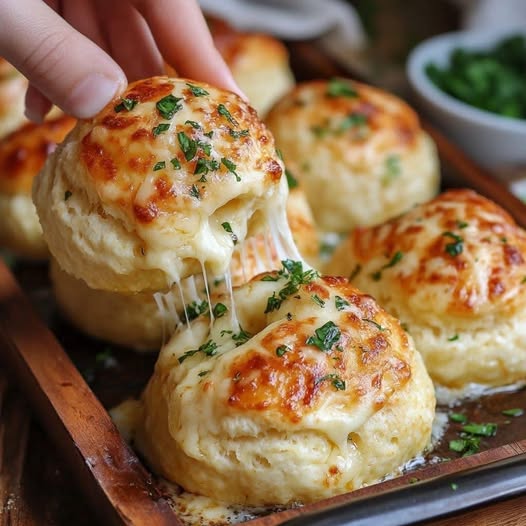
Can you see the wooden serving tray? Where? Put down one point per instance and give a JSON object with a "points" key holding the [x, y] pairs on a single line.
{"points": [[70, 384]]}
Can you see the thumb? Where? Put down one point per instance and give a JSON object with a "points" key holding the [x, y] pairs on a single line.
{"points": [[63, 65]]}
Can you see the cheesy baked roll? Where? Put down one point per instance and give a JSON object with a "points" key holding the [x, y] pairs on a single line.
{"points": [[358, 151], [258, 62], [22, 155], [152, 179], [141, 321], [313, 391], [13, 87], [453, 270]]}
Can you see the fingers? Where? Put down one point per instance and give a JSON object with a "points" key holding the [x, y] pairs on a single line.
{"points": [[37, 106], [65, 66], [183, 38], [130, 41]]}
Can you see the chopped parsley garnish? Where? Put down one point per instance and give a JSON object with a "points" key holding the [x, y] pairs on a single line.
{"points": [[206, 147], [175, 163], [188, 146], [485, 430], [194, 192], [228, 228], [517, 411], [159, 166], [392, 169], [237, 134], [340, 303], [281, 350], [468, 445], [67, 195], [351, 121], [458, 417], [209, 134], [222, 110], [453, 338], [291, 180], [231, 167], [195, 309], [195, 125], [125, 105], [376, 324], [316, 299], [203, 373], [219, 310], [160, 128], [454, 249], [461, 224], [336, 381], [356, 270], [320, 131], [196, 90], [241, 337], [340, 88], [293, 271], [168, 106], [392, 262], [209, 348], [203, 166], [325, 336], [454, 486]]}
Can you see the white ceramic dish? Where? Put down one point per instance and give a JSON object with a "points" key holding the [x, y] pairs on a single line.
{"points": [[488, 138]]}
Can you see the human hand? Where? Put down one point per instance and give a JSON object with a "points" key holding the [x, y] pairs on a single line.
{"points": [[78, 54]]}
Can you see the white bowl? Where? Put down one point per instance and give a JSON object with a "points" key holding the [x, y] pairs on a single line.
{"points": [[488, 138]]}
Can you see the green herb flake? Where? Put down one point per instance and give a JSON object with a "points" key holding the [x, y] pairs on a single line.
{"points": [[209, 134], [517, 411], [231, 167], [281, 350], [295, 275], [67, 195], [222, 110], [194, 192], [188, 146], [125, 105], [159, 166], [197, 91], [320, 131], [291, 180], [377, 276], [105, 358], [204, 166], [241, 337], [316, 299], [453, 338], [462, 224], [456, 248], [228, 228], [195, 125], [486, 430], [203, 373], [413, 480], [196, 308], [209, 349], [335, 380], [454, 486], [340, 303], [405, 326], [352, 120], [238, 134], [393, 169], [168, 106], [325, 336], [160, 128], [175, 163], [340, 88], [219, 310], [458, 417]]}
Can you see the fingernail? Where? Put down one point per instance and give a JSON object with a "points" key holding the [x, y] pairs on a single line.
{"points": [[91, 94]]}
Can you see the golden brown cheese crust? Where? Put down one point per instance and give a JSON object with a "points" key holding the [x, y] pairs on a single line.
{"points": [[24, 152], [488, 275], [122, 149], [296, 409]]}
